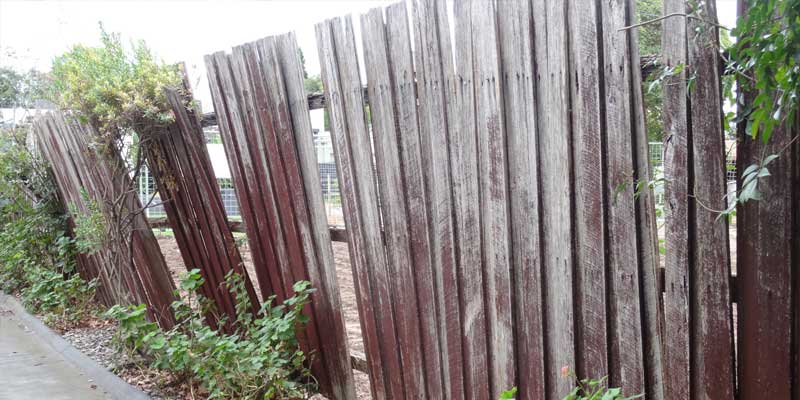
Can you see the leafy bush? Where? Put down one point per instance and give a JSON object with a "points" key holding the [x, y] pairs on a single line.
{"points": [[36, 255], [260, 360], [593, 389], [115, 90]]}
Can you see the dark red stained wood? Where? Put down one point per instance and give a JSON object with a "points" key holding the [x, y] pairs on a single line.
{"points": [[494, 197], [677, 172], [767, 265], [627, 358], [404, 91], [466, 204], [393, 208], [765, 273], [180, 163], [259, 129], [646, 229], [340, 75], [553, 90], [313, 225], [283, 164], [713, 363], [591, 330], [139, 273], [433, 60]]}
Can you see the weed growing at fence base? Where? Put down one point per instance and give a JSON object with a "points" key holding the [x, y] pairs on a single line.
{"points": [[260, 360]]}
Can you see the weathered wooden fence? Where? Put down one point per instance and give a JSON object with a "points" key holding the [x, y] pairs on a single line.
{"points": [[513, 241], [178, 159], [263, 117], [498, 220], [128, 273]]}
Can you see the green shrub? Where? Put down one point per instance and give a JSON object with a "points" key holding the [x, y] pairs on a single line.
{"points": [[36, 255], [260, 360]]}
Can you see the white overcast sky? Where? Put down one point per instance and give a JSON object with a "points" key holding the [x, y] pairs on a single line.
{"points": [[178, 30]]}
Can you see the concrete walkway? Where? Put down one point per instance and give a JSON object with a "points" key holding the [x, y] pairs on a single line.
{"points": [[36, 363]]}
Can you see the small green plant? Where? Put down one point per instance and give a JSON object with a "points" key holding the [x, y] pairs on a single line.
{"points": [[36, 255], [593, 389], [90, 232], [259, 360]]}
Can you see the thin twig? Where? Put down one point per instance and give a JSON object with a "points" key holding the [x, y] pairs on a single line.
{"points": [[663, 17]]}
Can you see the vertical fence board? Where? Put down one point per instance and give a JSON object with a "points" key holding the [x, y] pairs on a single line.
{"points": [[591, 334], [677, 172], [351, 149], [431, 58], [646, 229], [555, 161], [314, 226], [466, 204], [627, 363], [711, 306], [516, 54], [405, 100], [492, 167], [384, 131]]}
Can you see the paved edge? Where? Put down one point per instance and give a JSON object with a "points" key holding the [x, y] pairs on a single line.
{"points": [[105, 379]]}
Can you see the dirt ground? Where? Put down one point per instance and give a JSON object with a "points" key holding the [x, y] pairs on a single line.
{"points": [[169, 247]]}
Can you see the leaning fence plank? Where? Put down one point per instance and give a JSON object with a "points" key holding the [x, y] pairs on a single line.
{"points": [[766, 260], [433, 118], [677, 260], [235, 164], [314, 227], [351, 149], [492, 170], [627, 359], [466, 204], [130, 267], [646, 230], [591, 333], [405, 100], [395, 217], [711, 319], [555, 161]]}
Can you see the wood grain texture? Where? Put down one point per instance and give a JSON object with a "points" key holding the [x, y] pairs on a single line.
{"points": [[494, 198], [627, 362], [433, 58], [677, 175], [466, 203], [766, 259], [314, 227], [340, 75], [393, 203], [516, 54], [405, 100], [646, 228], [713, 366], [591, 330], [555, 161]]}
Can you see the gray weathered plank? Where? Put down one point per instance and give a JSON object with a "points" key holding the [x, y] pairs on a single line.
{"points": [[314, 228], [591, 331], [433, 58], [555, 161], [627, 358], [351, 149], [677, 275], [405, 100], [494, 198], [393, 209]]}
